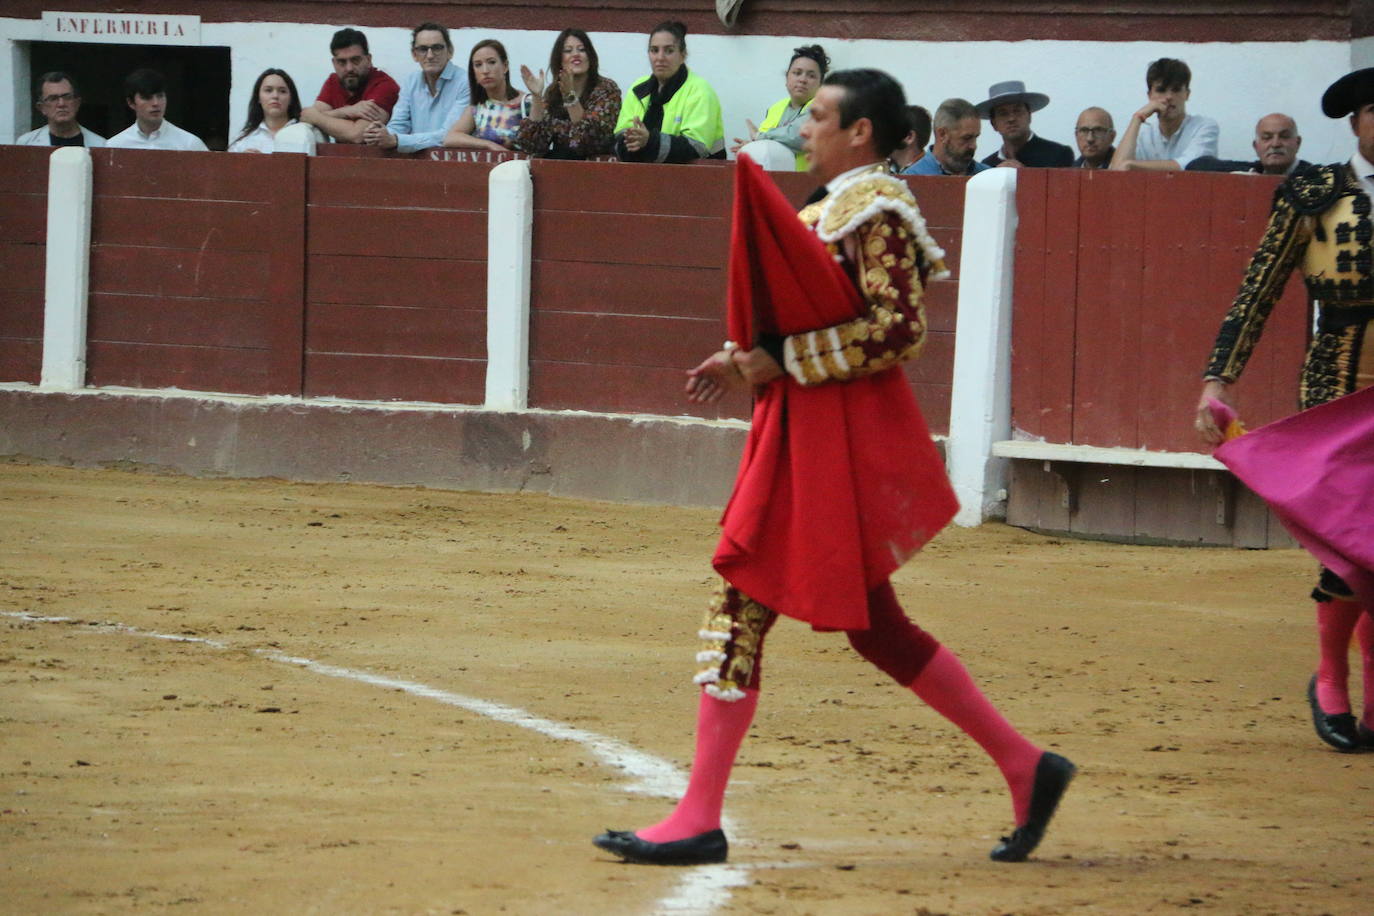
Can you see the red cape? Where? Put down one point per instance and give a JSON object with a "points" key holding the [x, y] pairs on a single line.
{"points": [[1315, 469], [839, 483]]}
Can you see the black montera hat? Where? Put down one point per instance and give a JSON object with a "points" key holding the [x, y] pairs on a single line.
{"points": [[1348, 93]]}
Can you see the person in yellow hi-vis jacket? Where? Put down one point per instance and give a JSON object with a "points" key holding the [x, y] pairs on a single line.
{"points": [[783, 122], [672, 115]]}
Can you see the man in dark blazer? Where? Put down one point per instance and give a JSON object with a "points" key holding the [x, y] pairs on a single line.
{"points": [[1008, 108], [1276, 144]]}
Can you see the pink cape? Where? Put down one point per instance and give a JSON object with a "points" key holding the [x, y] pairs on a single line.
{"points": [[1315, 469], [839, 483]]}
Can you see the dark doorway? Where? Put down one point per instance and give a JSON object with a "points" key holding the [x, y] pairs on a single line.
{"points": [[197, 84]]}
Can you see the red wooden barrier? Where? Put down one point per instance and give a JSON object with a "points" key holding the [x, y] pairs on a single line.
{"points": [[196, 271], [628, 286], [23, 248], [1121, 282], [396, 299]]}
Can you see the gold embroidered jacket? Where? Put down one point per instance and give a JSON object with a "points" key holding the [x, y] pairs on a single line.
{"points": [[872, 225], [1321, 220]]}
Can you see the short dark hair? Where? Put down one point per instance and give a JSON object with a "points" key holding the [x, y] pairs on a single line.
{"points": [[677, 29], [145, 82], [347, 38], [423, 27], [874, 95], [918, 122], [812, 52], [1169, 73], [54, 76]]}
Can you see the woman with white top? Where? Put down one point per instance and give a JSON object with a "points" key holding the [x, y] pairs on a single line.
{"points": [[273, 105]]}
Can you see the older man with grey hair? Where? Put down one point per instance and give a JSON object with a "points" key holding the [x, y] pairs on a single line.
{"points": [[957, 127], [1276, 144]]}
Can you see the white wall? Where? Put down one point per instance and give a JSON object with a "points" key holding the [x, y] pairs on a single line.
{"points": [[1235, 83]]}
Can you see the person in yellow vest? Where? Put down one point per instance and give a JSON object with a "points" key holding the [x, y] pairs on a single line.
{"points": [[671, 115], [783, 122]]}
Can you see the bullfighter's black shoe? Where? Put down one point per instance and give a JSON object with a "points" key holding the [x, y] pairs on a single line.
{"points": [[1337, 730], [703, 849], [1052, 777]]}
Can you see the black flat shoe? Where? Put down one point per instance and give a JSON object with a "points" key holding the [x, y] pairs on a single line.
{"points": [[1336, 730], [1052, 777], [1366, 736], [703, 849]]}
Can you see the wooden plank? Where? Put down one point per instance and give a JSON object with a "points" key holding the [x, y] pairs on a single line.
{"points": [[941, 199], [621, 389], [167, 320], [285, 291], [396, 331], [22, 266], [123, 173], [179, 272], [941, 301], [395, 378], [187, 224], [630, 188], [1106, 501], [21, 360], [1106, 333], [418, 282], [146, 365], [1173, 343], [23, 217], [23, 171], [1064, 240], [1029, 343], [21, 314], [1180, 506], [935, 365], [623, 340], [639, 239], [359, 232], [934, 401], [1035, 498], [398, 184], [587, 286]]}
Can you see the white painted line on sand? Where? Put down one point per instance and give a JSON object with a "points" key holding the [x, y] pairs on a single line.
{"points": [[699, 891]]}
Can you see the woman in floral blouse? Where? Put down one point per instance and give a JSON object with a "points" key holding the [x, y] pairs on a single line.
{"points": [[497, 108], [574, 109]]}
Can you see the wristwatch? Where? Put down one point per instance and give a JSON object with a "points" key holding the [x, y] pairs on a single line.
{"points": [[570, 99]]}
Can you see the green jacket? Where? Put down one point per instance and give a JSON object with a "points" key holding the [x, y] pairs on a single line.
{"points": [[683, 118]]}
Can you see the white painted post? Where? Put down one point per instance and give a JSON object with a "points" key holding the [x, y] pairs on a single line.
{"points": [[68, 269], [980, 403], [510, 230]]}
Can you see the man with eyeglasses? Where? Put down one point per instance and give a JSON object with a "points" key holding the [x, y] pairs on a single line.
{"points": [[1094, 135], [432, 98], [59, 101], [356, 96]]}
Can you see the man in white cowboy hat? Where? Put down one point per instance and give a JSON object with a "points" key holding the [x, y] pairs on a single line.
{"points": [[1008, 108]]}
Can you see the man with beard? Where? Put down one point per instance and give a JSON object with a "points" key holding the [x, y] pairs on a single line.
{"points": [[1008, 109], [1176, 138], [1276, 143], [356, 96], [957, 127]]}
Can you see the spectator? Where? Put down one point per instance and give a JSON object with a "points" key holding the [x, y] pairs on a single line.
{"points": [[145, 92], [274, 105], [1276, 143], [356, 95], [573, 116], [914, 144], [1094, 135], [782, 123], [672, 115], [432, 98], [493, 118], [957, 127], [1177, 138], [59, 101], [1008, 109]]}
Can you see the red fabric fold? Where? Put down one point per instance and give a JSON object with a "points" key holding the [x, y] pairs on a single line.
{"points": [[839, 483], [1315, 469]]}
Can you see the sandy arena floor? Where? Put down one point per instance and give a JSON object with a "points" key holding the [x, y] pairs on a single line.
{"points": [[316, 739]]}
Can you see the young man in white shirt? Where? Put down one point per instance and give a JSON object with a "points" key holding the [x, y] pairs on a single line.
{"points": [[145, 92], [1176, 138], [59, 101]]}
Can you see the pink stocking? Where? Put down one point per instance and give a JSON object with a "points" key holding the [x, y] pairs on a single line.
{"points": [[1364, 632], [945, 684], [1336, 621], [721, 727]]}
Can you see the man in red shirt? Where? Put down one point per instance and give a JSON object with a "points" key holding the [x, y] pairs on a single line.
{"points": [[356, 95]]}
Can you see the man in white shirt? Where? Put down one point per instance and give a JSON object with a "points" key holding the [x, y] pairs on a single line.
{"points": [[59, 101], [145, 92], [1176, 138]]}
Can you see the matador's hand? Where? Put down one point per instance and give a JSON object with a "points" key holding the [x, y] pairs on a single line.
{"points": [[717, 374]]}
